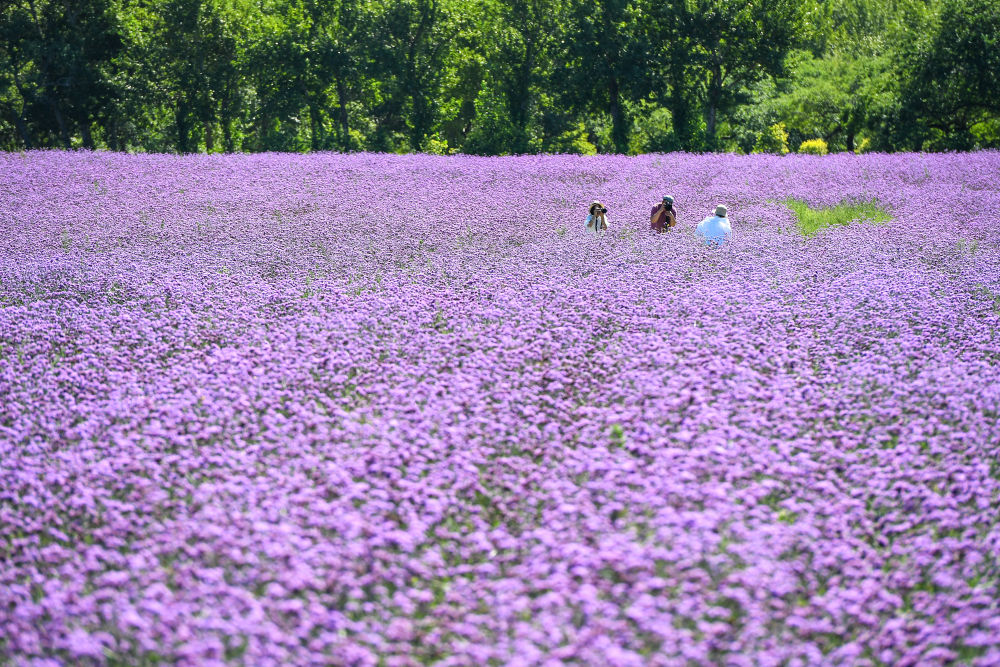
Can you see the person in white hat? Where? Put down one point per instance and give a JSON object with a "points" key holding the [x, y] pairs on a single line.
{"points": [[597, 219], [715, 230]]}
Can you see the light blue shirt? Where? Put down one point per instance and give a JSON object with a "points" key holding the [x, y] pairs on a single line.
{"points": [[714, 229], [591, 225]]}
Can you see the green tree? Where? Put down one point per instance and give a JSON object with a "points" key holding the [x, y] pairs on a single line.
{"points": [[412, 47], [831, 97], [498, 76], [283, 65], [772, 140], [16, 81], [345, 59], [191, 65], [57, 59], [717, 49], [953, 89], [519, 38], [309, 61], [605, 62]]}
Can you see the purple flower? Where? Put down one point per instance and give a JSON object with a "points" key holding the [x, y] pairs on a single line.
{"points": [[258, 409]]}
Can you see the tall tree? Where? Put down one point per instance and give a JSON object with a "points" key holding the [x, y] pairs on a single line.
{"points": [[414, 42], [497, 76], [347, 34], [300, 64], [953, 85], [605, 62], [725, 46], [829, 98], [284, 65], [525, 32], [192, 64], [57, 56], [16, 86]]}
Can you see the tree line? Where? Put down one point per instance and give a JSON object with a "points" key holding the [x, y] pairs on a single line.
{"points": [[500, 76]]}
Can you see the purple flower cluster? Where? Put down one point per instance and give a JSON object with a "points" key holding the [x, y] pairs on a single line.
{"points": [[402, 410]]}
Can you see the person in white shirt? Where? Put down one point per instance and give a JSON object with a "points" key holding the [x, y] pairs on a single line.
{"points": [[597, 219], [715, 230]]}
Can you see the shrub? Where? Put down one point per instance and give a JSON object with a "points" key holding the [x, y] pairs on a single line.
{"points": [[654, 132], [492, 132], [772, 140], [573, 140], [435, 145], [814, 147]]}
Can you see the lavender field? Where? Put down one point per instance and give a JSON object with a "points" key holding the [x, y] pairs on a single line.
{"points": [[402, 410]]}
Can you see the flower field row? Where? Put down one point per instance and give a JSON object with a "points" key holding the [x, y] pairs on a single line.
{"points": [[400, 410]]}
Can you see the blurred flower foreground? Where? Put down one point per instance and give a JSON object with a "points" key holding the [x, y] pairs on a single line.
{"points": [[398, 410]]}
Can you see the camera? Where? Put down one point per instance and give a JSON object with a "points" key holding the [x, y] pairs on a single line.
{"points": [[601, 209]]}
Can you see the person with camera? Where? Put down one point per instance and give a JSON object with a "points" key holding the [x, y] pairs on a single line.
{"points": [[597, 220], [663, 217]]}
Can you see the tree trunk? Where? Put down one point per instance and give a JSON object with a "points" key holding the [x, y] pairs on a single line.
{"points": [[517, 105], [263, 128], [681, 120], [519, 95], [19, 121], [345, 135], [680, 114], [22, 129], [88, 138], [679, 103], [714, 97], [420, 126], [710, 125], [227, 135], [619, 131], [114, 135], [209, 137], [315, 125], [61, 122], [180, 120]]}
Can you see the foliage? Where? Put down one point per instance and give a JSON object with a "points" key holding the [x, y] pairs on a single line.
{"points": [[773, 140], [604, 62], [829, 97], [56, 62], [573, 140], [953, 92], [814, 147], [497, 76], [653, 130], [733, 44]]}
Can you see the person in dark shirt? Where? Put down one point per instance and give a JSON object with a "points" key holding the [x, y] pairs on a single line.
{"points": [[663, 217]]}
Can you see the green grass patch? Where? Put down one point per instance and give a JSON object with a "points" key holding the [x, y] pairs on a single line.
{"points": [[811, 220]]}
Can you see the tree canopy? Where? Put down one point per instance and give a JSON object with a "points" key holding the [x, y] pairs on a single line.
{"points": [[499, 76]]}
